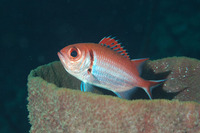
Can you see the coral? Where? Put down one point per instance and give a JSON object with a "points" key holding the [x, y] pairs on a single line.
{"points": [[53, 107]]}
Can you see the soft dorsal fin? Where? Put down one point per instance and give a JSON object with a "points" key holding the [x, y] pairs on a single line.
{"points": [[138, 63], [114, 45]]}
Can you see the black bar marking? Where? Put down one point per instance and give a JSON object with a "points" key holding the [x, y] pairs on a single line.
{"points": [[92, 60]]}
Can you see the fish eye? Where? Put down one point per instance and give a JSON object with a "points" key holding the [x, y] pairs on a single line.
{"points": [[74, 53]]}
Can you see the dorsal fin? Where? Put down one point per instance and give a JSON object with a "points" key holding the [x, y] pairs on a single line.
{"points": [[114, 45], [138, 63]]}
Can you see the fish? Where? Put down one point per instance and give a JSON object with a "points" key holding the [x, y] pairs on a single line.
{"points": [[106, 65]]}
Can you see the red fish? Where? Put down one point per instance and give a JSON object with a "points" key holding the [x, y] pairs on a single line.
{"points": [[106, 65]]}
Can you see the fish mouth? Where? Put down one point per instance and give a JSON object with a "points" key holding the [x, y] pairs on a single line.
{"points": [[61, 56]]}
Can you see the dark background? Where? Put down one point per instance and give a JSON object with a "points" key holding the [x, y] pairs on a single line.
{"points": [[32, 32]]}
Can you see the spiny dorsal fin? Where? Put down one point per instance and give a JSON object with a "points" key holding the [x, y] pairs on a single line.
{"points": [[114, 45]]}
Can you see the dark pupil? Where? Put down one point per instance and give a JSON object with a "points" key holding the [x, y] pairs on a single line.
{"points": [[73, 53]]}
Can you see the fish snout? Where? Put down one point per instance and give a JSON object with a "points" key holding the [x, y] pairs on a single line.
{"points": [[61, 57]]}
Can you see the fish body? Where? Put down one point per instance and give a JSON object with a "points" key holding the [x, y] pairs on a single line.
{"points": [[106, 65]]}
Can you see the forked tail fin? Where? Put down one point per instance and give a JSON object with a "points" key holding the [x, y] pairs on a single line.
{"points": [[152, 84]]}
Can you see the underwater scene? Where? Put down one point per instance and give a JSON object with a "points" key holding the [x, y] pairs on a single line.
{"points": [[109, 66]]}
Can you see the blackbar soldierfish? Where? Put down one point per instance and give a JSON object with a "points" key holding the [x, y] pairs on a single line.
{"points": [[106, 65]]}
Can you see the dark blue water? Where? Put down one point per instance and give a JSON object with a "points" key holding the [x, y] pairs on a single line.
{"points": [[33, 31]]}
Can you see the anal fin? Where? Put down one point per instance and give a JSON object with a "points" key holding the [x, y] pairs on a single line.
{"points": [[86, 87], [126, 94]]}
